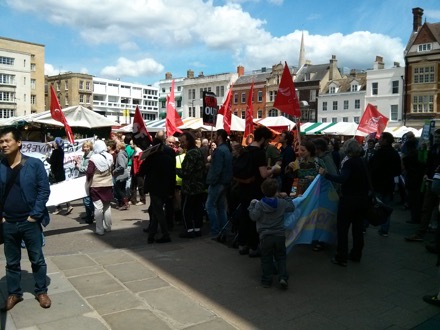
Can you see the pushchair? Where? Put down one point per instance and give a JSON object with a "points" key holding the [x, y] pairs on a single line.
{"points": [[229, 232]]}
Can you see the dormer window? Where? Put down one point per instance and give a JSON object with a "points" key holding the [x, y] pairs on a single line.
{"points": [[354, 88], [332, 90], [424, 47]]}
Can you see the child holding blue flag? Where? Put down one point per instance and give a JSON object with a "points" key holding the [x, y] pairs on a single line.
{"points": [[269, 216]]}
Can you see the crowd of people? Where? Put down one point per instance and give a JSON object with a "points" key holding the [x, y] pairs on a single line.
{"points": [[245, 190]]}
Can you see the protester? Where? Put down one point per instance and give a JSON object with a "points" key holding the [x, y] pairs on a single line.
{"points": [[287, 156], [100, 181], [193, 187], [56, 162], [87, 149], [120, 175], [137, 181], [353, 202], [269, 216], [219, 178], [25, 191], [307, 170]]}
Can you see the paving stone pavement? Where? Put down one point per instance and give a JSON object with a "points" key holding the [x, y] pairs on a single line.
{"points": [[117, 281]]}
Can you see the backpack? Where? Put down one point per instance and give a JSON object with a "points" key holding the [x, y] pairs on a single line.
{"points": [[242, 167]]}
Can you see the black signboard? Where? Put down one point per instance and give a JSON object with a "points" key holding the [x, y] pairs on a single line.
{"points": [[210, 109]]}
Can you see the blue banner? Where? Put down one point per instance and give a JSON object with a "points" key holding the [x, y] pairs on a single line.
{"points": [[314, 218]]}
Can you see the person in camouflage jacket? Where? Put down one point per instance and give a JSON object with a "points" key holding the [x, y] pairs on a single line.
{"points": [[193, 186]]}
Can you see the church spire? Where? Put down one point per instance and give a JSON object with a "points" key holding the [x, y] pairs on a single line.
{"points": [[302, 60]]}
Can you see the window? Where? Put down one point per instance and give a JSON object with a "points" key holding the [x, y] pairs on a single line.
{"points": [[354, 88], [81, 84], [243, 114], [424, 47], [33, 99], [324, 119], [272, 96], [356, 119], [58, 86], [345, 104], [7, 60], [334, 120], [6, 113], [260, 96], [7, 96], [395, 87], [163, 90], [66, 99], [394, 112], [312, 97], [66, 85], [424, 75], [201, 93], [335, 105], [222, 91], [423, 103], [243, 97], [324, 106], [33, 67], [345, 119], [24, 81], [88, 99], [33, 83], [332, 90], [374, 88], [179, 88], [179, 103], [7, 79], [357, 104], [260, 114], [81, 98], [273, 113], [235, 98], [236, 113], [217, 90]]}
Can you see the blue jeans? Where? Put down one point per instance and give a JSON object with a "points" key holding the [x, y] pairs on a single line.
{"points": [[273, 247], [387, 199], [90, 209], [30, 233], [216, 208]]}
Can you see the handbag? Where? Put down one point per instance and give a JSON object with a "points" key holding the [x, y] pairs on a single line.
{"points": [[378, 212]]}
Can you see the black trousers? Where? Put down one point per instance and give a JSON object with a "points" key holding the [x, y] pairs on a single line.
{"points": [[192, 210]]}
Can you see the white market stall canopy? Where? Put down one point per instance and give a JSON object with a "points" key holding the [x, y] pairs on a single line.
{"points": [[237, 123], [276, 122], [318, 129], [76, 116], [398, 132], [344, 128]]}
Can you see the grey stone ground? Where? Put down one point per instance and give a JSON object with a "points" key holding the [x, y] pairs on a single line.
{"points": [[117, 281]]}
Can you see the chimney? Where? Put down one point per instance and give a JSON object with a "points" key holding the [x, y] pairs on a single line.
{"points": [[353, 72], [201, 74], [333, 67], [396, 64], [417, 18], [378, 63], [190, 74], [168, 76], [240, 70]]}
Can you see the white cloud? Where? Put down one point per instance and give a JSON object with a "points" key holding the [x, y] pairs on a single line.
{"points": [[49, 70], [433, 14], [128, 68]]}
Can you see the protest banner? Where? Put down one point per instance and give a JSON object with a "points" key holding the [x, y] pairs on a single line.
{"points": [[76, 189]]}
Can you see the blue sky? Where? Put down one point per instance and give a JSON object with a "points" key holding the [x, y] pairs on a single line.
{"points": [[139, 40]]}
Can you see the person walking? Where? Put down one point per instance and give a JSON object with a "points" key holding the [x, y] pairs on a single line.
{"points": [[24, 189], [219, 178], [87, 149], [121, 175], [99, 178]]}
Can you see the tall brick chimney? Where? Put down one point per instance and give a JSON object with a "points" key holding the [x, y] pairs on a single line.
{"points": [[168, 75], [417, 18], [378, 63], [333, 67], [240, 70], [190, 74]]}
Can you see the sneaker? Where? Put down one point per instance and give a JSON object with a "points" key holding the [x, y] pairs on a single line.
{"points": [[432, 299], [414, 238], [69, 210], [139, 203], [382, 233], [283, 284], [56, 211]]}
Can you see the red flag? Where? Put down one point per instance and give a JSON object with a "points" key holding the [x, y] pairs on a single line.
{"points": [[139, 128], [249, 116], [173, 119], [372, 121], [226, 111], [286, 99], [58, 115]]}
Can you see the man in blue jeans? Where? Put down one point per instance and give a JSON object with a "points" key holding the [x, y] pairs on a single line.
{"points": [[219, 178], [24, 191]]}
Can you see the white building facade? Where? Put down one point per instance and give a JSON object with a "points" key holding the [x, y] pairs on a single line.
{"points": [[164, 87], [118, 100]]}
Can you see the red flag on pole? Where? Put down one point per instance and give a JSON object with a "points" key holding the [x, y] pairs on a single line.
{"points": [[173, 119], [286, 99], [372, 121], [139, 128], [249, 116], [226, 111], [58, 115]]}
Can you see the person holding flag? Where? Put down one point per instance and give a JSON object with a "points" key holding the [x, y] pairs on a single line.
{"points": [[58, 115]]}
